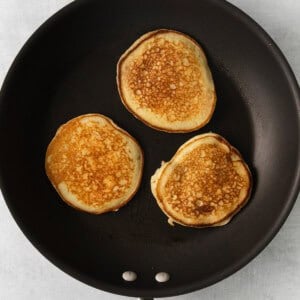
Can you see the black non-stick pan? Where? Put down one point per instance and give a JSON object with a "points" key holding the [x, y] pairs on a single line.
{"points": [[68, 68]]}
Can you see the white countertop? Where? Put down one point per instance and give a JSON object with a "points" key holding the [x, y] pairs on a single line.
{"points": [[26, 274]]}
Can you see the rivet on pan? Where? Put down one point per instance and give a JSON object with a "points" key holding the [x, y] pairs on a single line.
{"points": [[162, 277], [129, 276]]}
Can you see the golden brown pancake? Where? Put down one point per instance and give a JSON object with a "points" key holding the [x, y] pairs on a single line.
{"points": [[94, 165], [164, 80], [204, 184]]}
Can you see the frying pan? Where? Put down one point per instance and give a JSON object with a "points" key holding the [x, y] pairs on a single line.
{"points": [[68, 68]]}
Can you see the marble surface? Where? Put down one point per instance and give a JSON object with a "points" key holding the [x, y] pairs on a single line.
{"points": [[26, 274]]}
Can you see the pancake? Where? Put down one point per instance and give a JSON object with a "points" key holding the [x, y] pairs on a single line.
{"points": [[93, 164], [164, 80], [205, 183]]}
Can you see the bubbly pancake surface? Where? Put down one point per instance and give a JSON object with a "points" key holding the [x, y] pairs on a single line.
{"points": [[204, 184], [164, 80], [93, 164]]}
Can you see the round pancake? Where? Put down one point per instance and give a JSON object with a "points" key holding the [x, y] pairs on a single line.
{"points": [[204, 184], [164, 80], [94, 165]]}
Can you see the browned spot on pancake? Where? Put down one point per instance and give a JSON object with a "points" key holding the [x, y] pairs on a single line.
{"points": [[92, 160], [204, 182], [166, 79]]}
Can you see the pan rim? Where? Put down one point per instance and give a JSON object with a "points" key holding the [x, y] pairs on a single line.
{"points": [[240, 263]]}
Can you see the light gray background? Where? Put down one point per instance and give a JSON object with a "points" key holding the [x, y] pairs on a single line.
{"points": [[26, 274]]}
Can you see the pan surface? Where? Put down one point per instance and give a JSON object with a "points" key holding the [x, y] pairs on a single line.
{"points": [[68, 68]]}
